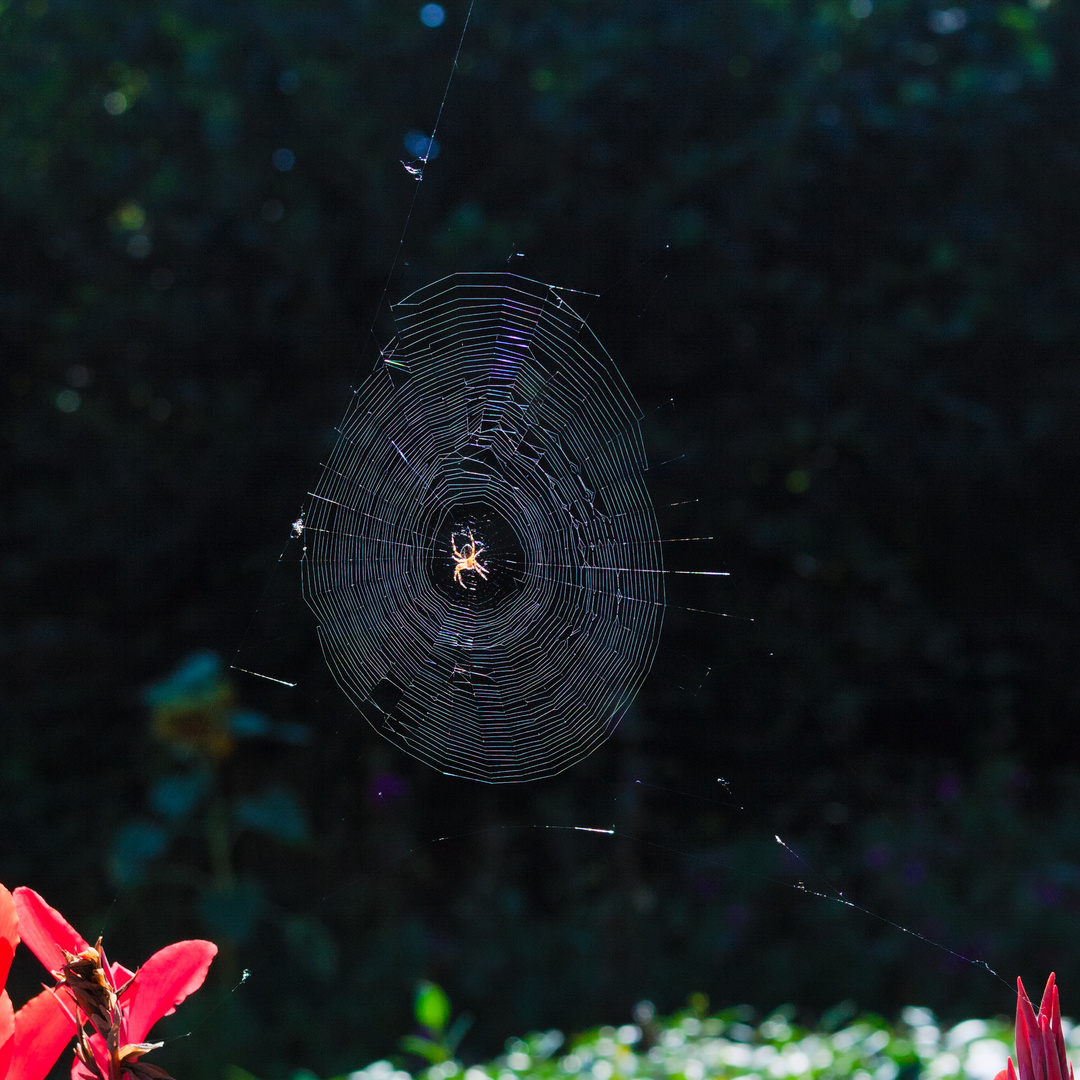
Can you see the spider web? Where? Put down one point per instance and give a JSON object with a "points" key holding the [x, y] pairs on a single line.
{"points": [[481, 551]]}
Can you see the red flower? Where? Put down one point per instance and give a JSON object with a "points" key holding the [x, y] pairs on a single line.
{"points": [[1040, 1043], [33, 1038], [139, 998]]}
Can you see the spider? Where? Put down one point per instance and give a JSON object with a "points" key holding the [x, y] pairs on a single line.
{"points": [[466, 559]]}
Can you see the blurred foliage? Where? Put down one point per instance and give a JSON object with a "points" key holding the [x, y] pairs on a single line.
{"points": [[838, 235], [694, 1044], [191, 840], [439, 1038]]}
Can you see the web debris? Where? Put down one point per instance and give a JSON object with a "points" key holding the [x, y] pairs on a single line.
{"points": [[837, 896]]}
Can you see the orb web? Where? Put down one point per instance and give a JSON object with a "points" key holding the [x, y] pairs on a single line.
{"points": [[482, 553]]}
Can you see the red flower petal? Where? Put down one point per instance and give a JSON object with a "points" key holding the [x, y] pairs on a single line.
{"points": [[43, 1027], [1027, 1032], [7, 1032], [1040, 1042], [155, 990], [44, 930], [80, 1072], [1056, 1043], [162, 983], [9, 934], [1049, 1048]]}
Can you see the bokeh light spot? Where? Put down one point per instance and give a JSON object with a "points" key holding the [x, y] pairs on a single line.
{"points": [[433, 15], [115, 103], [68, 400], [139, 246], [542, 80], [947, 20], [79, 375], [130, 216], [422, 146], [283, 159], [288, 82], [797, 481]]}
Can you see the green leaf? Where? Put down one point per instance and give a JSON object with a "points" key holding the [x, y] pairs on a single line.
{"points": [[135, 845], [175, 796], [432, 1052], [432, 1008], [456, 1033], [276, 812], [234, 1072], [198, 678], [1016, 18], [233, 910]]}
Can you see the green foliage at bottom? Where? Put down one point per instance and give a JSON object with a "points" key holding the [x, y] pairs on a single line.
{"points": [[736, 1045]]}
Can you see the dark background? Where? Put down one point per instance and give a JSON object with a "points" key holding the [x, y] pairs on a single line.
{"points": [[842, 238]]}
